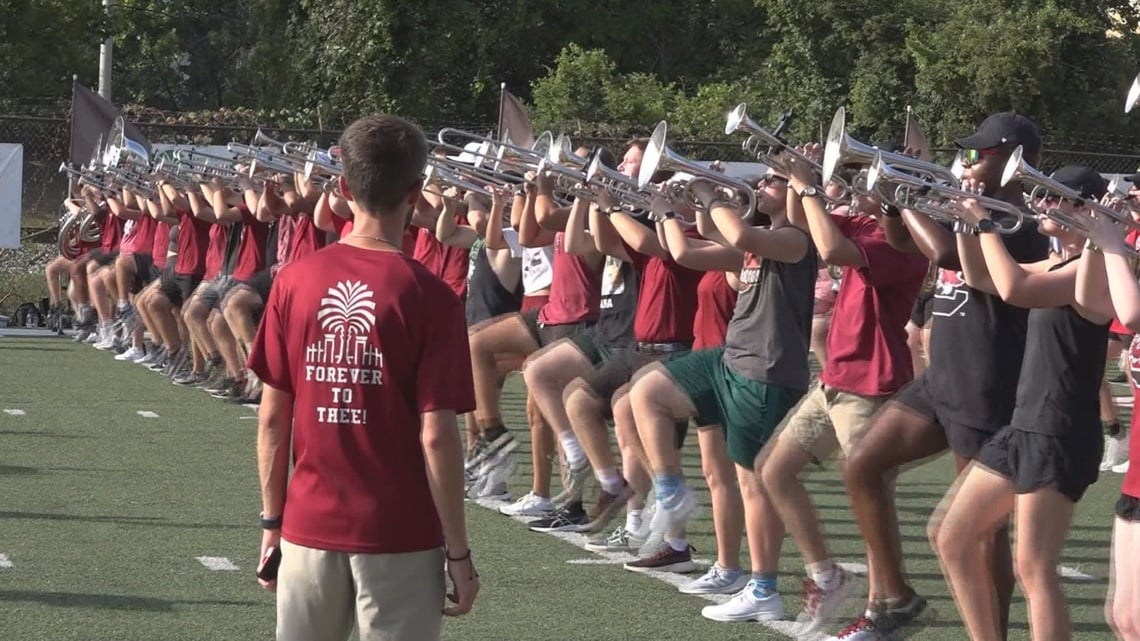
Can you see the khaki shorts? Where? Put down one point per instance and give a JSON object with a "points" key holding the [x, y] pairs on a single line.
{"points": [[829, 420], [387, 597]]}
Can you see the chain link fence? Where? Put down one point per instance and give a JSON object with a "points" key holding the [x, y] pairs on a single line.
{"points": [[46, 145]]}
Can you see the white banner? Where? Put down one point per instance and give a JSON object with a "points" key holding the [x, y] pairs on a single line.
{"points": [[11, 191]]}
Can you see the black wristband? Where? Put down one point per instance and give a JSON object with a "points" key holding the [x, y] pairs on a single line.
{"points": [[890, 211], [270, 524], [462, 558]]}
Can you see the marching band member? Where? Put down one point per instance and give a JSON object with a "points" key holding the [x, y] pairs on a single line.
{"points": [[867, 362], [961, 400], [1111, 260], [747, 386], [88, 265], [1041, 462]]}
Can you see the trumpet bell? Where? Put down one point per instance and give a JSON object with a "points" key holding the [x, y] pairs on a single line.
{"points": [[655, 153], [1016, 167], [1133, 95], [837, 143], [842, 149], [736, 118]]}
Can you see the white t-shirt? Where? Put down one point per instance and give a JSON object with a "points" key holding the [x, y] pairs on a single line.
{"points": [[537, 267]]}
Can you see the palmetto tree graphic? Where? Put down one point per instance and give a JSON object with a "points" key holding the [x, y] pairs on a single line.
{"points": [[346, 314]]}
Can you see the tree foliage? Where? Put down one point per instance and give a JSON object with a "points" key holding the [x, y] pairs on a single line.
{"points": [[604, 68]]}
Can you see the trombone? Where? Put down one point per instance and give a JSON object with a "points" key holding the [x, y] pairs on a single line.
{"points": [[659, 157], [914, 193], [1017, 169]]}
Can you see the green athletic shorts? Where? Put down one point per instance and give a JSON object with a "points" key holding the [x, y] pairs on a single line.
{"points": [[748, 411]]}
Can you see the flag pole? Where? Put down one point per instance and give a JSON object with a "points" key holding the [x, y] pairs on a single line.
{"points": [[906, 128], [502, 99]]}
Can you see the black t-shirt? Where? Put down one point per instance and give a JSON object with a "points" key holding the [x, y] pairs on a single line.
{"points": [[620, 283], [486, 296], [977, 343], [233, 244], [1059, 389]]}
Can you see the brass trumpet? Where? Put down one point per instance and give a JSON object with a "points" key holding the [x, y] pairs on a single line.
{"points": [[1017, 169], [659, 157], [842, 149], [932, 199]]}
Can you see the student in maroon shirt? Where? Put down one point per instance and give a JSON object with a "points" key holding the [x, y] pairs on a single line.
{"points": [[867, 362], [362, 354]]}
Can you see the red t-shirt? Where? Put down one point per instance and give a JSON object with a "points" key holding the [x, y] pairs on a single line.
{"points": [[366, 342], [138, 235], [575, 289], [342, 226], [112, 233], [305, 238], [447, 262], [216, 250], [193, 242], [411, 238], [1133, 240], [867, 352], [161, 246], [716, 301], [1131, 485], [666, 300], [251, 250]]}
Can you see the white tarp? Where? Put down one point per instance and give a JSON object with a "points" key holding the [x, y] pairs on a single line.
{"points": [[11, 190]]}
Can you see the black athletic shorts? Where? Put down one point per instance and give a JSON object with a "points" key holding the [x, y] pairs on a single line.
{"points": [[1128, 508], [1068, 464], [145, 272], [262, 282], [180, 287], [618, 370], [546, 334], [964, 440], [102, 258], [923, 309]]}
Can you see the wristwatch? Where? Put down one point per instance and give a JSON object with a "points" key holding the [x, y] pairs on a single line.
{"points": [[270, 524], [986, 225], [809, 192]]}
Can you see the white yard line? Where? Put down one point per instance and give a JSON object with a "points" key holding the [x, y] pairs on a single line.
{"points": [[786, 628], [5, 562], [147, 414], [15, 412], [1074, 574], [217, 563]]}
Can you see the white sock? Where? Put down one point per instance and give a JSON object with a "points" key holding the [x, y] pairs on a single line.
{"points": [[609, 478], [633, 520], [824, 574], [575, 456], [679, 545]]}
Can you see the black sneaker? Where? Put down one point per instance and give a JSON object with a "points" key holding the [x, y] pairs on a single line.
{"points": [[571, 518], [666, 559], [222, 390], [187, 378]]}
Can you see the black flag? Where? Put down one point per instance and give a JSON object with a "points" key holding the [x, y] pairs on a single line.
{"points": [[91, 119]]}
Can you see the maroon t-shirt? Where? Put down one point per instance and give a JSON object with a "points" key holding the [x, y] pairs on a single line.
{"points": [[305, 238], [138, 235], [716, 302], [1131, 485], [366, 342], [112, 233], [667, 299], [251, 250], [216, 250], [575, 289], [161, 246], [342, 226], [867, 352], [193, 241], [447, 262]]}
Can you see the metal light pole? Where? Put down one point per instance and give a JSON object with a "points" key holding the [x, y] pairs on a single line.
{"points": [[105, 56]]}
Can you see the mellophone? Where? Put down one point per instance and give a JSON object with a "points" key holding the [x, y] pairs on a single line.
{"points": [[480, 164]]}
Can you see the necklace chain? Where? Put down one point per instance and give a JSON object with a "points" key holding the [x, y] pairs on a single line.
{"points": [[376, 238]]}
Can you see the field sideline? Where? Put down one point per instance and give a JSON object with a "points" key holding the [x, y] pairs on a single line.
{"points": [[128, 511]]}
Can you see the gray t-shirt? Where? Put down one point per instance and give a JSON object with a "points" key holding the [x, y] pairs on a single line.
{"points": [[770, 331]]}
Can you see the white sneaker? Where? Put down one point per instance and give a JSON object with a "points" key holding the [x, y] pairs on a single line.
{"points": [[717, 581], [131, 354], [821, 606], [1115, 451], [529, 505], [1121, 469], [748, 605], [106, 344], [674, 517]]}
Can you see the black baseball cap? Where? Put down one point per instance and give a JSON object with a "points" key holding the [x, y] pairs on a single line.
{"points": [[1004, 129], [1087, 181]]}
